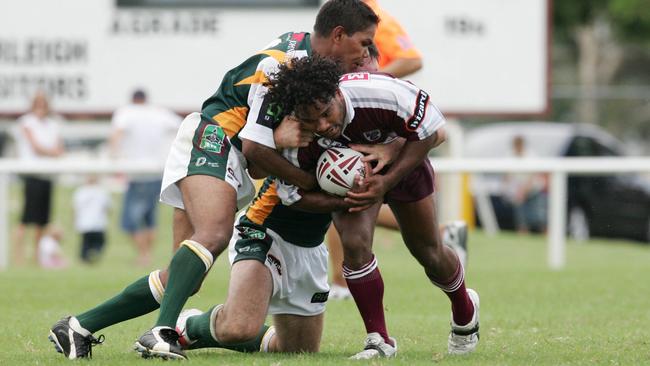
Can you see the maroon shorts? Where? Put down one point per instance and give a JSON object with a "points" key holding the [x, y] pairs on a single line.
{"points": [[415, 186]]}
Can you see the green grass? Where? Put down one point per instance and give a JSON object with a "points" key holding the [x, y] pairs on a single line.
{"points": [[594, 312]]}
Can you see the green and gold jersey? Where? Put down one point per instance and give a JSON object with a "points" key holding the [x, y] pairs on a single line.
{"points": [[240, 96], [301, 228]]}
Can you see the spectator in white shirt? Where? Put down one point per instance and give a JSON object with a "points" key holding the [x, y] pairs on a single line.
{"points": [[92, 204], [142, 132], [37, 137]]}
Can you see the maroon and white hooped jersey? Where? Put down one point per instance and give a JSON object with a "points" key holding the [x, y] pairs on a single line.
{"points": [[378, 108]]}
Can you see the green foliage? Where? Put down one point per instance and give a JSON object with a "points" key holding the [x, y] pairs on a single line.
{"points": [[592, 313], [567, 15], [632, 19]]}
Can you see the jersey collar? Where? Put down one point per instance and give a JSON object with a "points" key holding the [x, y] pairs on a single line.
{"points": [[349, 108]]}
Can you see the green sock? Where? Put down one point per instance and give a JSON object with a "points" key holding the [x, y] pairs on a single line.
{"points": [[198, 328], [186, 272], [134, 301]]}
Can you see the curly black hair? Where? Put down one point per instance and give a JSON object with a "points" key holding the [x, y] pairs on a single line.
{"points": [[302, 82]]}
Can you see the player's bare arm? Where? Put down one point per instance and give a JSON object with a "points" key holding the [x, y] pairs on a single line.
{"points": [[274, 164]]}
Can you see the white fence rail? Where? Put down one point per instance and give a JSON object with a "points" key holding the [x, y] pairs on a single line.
{"points": [[557, 168]]}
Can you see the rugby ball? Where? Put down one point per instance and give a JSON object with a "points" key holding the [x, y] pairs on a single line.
{"points": [[336, 169]]}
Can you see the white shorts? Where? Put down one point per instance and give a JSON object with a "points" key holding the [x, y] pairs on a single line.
{"points": [[299, 275], [200, 150]]}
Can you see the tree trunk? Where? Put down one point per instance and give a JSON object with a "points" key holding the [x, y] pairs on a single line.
{"points": [[599, 58]]}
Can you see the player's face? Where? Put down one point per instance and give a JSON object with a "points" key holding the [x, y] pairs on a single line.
{"points": [[352, 50], [370, 64], [324, 119]]}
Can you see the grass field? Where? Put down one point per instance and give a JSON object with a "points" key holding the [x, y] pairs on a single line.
{"points": [[594, 312]]}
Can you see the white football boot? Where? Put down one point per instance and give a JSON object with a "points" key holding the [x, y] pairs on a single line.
{"points": [[338, 292], [376, 347], [463, 339]]}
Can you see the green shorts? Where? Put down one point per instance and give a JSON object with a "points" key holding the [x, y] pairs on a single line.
{"points": [[201, 147]]}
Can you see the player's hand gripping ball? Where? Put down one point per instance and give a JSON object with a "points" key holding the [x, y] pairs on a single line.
{"points": [[336, 169]]}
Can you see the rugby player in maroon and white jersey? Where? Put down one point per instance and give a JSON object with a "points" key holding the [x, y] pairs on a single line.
{"points": [[370, 108]]}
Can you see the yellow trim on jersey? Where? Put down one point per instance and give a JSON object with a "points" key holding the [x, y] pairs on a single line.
{"points": [[232, 120], [278, 55], [257, 78], [204, 255], [262, 206]]}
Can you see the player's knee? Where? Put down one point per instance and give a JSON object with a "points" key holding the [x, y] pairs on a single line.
{"points": [[357, 257], [214, 240], [356, 240]]}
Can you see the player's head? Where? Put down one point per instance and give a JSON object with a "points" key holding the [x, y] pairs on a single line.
{"points": [[371, 63], [308, 88], [343, 31]]}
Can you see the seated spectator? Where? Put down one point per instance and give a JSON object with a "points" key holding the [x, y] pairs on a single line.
{"points": [[50, 255], [528, 193]]}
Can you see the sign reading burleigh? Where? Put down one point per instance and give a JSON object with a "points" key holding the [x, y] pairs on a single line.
{"points": [[52, 64], [89, 56]]}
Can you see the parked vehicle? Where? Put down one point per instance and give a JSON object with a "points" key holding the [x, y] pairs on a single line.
{"points": [[599, 205]]}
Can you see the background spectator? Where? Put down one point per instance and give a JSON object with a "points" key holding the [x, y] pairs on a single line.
{"points": [[141, 131], [527, 193], [92, 204], [397, 54], [37, 137], [50, 255]]}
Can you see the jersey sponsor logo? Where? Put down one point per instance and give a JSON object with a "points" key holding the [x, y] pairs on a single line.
{"points": [[355, 76], [320, 297], [275, 263], [372, 136], [291, 47], [326, 143], [212, 139], [230, 175], [298, 37], [269, 114], [251, 233], [416, 119], [249, 249]]}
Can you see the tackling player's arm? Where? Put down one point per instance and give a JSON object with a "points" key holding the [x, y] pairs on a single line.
{"points": [[272, 163], [320, 202], [315, 201]]}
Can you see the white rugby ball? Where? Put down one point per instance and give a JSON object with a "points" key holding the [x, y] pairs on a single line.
{"points": [[336, 169]]}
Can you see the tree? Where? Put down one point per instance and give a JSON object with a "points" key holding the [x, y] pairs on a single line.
{"points": [[599, 29]]}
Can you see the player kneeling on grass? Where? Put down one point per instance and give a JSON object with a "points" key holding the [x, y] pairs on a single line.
{"points": [[279, 267], [366, 108]]}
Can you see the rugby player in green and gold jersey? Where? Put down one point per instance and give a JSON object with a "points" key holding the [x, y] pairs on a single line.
{"points": [[205, 179]]}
